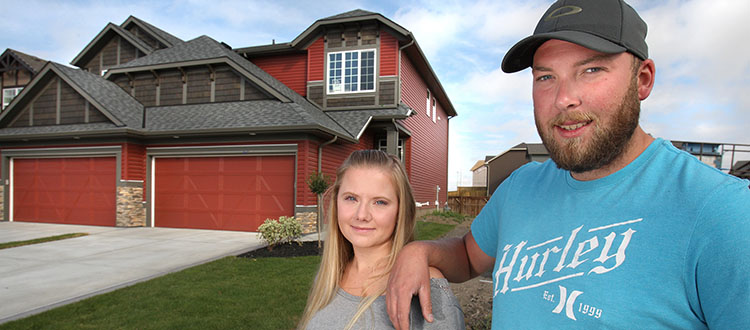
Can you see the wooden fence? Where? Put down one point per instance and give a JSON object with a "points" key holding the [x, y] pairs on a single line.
{"points": [[467, 205]]}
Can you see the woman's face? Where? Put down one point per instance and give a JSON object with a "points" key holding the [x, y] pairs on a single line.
{"points": [[367, 207]]}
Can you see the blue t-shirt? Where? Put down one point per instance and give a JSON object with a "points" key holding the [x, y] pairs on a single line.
{"points": [[662, 243]]}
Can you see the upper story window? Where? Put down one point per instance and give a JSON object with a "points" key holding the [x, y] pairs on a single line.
{"points": [[427, 104], [9, 94], [351, 71]]}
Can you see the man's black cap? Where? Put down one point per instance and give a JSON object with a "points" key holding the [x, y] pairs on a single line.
{"points": [[608, 26]]}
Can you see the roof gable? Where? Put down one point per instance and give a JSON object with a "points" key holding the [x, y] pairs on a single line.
{"points": [[103, 97], [162, 36], [12, 59], [101, 40], [405, 37]]}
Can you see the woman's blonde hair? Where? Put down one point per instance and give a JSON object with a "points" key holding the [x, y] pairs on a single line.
{"points": [[338, 252]]}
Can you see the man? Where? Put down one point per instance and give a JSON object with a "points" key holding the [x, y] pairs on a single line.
{"points": [[619, 229]]}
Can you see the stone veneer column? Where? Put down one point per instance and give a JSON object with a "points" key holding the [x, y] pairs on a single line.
{"points": [[131, 211], [307, 215]]}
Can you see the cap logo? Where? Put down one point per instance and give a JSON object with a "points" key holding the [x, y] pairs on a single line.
{"points": [[563, 11]]}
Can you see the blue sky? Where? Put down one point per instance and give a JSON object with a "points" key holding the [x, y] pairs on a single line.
{"points": [[702, 90]]}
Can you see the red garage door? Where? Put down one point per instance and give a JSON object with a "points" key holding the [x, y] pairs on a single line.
{"points": [[65, 190], [228, 193]]}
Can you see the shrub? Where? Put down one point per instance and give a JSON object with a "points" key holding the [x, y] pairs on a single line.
{"points": [[318, 182], [284, 230]]}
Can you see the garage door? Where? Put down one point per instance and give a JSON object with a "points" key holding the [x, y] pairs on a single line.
{"points": [[228, 193], [65, 190]]}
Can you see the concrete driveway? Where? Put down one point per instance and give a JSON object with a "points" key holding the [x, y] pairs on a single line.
{"points": [[38, 277]]}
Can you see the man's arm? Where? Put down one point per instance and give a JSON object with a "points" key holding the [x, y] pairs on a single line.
{"points": [[458, 259]]}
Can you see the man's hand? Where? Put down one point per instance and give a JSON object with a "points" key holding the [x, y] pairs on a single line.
{"points": [[409, 276]]}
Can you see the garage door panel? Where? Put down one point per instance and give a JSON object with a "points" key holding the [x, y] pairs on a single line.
{"points": [[228, 193], [65, 190]]}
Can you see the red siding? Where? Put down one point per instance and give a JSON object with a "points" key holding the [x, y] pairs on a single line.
{"points": [[388, 54], [428, 166], [289, 69], [316, 61], [133, 161], [307, 163]]}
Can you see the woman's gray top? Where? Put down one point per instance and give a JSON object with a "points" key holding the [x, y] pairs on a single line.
{"points": [[445, 308]]}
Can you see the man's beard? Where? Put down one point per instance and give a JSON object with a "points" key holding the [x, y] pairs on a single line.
{"points": [[606, 143]]}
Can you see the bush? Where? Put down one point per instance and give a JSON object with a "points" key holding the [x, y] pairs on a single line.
{"points": [[318, 182], [284, 230]]}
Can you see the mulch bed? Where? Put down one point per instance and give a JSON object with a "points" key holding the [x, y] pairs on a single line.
{"points": [[286, 250]]}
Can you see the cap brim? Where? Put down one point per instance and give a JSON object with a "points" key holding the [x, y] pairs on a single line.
{"points": [[521, 55]]}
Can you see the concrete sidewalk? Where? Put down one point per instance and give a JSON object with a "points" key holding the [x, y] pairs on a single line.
{"points": [[38, 277]]}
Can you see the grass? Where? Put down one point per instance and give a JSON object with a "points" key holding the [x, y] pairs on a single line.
{"points": [[455, 216], [430, 230], [8, 245], [229, 293]]}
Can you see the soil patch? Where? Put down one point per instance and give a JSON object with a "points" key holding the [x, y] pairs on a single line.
{"points": [[286, 250]]}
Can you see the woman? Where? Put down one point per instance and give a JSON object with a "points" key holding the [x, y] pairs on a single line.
{"points": [[371, 217]]}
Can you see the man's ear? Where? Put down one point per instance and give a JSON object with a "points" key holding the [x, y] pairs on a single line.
{"points": [[645, 78]]}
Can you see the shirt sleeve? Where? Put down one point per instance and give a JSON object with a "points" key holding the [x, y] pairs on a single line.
{"points": [[445, 308], [717, 268]]}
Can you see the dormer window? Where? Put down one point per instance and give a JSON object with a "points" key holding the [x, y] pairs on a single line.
{"points": [[351, 71]]}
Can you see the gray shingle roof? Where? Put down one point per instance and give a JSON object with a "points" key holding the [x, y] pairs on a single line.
{"points": [[164, 35], [253, 115], [57, 129], [32, 62], [111, 97], [355, 121], [205, 48], [348, 14]]}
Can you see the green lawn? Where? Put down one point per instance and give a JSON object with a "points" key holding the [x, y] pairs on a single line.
{"points": [[8, 245], [230, 293]]}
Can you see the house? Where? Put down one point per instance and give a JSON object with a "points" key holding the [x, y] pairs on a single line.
{"points": [[499, 167], [741, 169], [16, 71], [479, 173], [152, 130]]}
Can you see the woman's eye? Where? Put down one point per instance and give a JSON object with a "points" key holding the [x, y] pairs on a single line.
{"points": [[381, 202], [349, 198]]}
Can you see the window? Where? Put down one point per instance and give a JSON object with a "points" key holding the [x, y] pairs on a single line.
{"points": [[434, 111], [427, 104], [383, 146], [9, 94], [352, 71]]}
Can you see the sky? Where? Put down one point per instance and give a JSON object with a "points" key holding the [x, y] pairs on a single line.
{"points": [[702, 89]]}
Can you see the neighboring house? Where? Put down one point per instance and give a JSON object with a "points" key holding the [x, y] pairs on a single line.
{"points": [[741, 169], [708, 153], [16, 71], [502, 165], [151, 130], [479, 173]]}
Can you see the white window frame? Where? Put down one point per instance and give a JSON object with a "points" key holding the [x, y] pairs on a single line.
{"points": [[383, 146], [16, 90], [342, 86]]}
